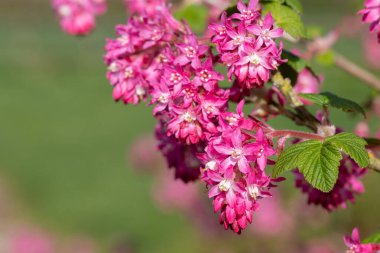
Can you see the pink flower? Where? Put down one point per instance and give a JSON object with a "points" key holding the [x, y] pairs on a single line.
{"points": [[307, 82], [77, 17], [266, 32], [191, 50], [362, 129], [247, 13], [371, 15], [206, 76], [371, 50], [31, 241], [355, 246]]}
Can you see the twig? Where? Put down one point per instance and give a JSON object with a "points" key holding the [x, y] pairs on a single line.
{"points": [[360, 73]]}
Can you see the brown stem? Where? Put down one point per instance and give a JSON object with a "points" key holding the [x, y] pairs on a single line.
{"points": [[296, 134], [360, 73]]}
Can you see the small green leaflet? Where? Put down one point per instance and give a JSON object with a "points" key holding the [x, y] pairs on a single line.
{"points": [[329, 99], [294, 61], [319, 161], [194, 15], [375, 238], [286, 18], [295, 4]]}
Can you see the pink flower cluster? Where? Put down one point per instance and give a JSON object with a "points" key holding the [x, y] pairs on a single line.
{"points": [[246, 45], [77, 17], [234, 169], [355, 246], [371, 15], [156, 55], [345, 189]]}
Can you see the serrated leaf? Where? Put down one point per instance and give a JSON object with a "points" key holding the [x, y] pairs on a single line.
{"points": [[318, 162], [286, 18], [343, 103], [352, 145], [295, 4], [315, 98], [375, 238], [194, 15], [329, 99]]}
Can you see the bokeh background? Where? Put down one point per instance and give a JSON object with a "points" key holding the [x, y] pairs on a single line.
{"points": [[65, 167]]}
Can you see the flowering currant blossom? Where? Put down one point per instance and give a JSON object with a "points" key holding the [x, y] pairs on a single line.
{"points": [[246, 44], [371, 15], [345, 189], [355, 246], [156, 57], [234, 172], [77, 17]]}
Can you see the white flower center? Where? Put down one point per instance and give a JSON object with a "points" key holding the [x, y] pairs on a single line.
{"points": [[190, 52], [236, 153], [211, 165], [247, 14], [175, 78], [163, 98], [205, 75], [253, 191], [232, 120], [254, 59], [113, 67], [64, 11], [128, 73], [123, 40], [188, 117], [140, 91], [225, 185]]}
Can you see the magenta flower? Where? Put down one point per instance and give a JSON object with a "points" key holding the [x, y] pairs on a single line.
{"points": [[78, 17], [262, 149], [186, 125], [247, 13], [191, 50], [206, 76], [266, 32], [254, 65], [236, 37], [371, 15], [355, 246], [232, 146], [307, 82]]}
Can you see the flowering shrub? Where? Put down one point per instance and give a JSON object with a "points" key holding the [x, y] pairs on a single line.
{"points": [[193, 80]]}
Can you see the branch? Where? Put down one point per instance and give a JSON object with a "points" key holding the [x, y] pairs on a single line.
{"points": [[360, 73]]}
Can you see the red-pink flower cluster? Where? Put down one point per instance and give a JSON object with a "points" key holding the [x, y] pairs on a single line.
{"points": [[246, 45], [345, 189], [158, 56], [77, 17], [355, 246], [234, 169], [371, 15]]}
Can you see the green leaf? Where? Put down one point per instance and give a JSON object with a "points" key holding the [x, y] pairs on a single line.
{"points": [[352, 145], [375, 238], [194, 15], [286, 18], [293, 60], [315, 98], [329, 99], [318, 162], [343, 104], [295, 4]]}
